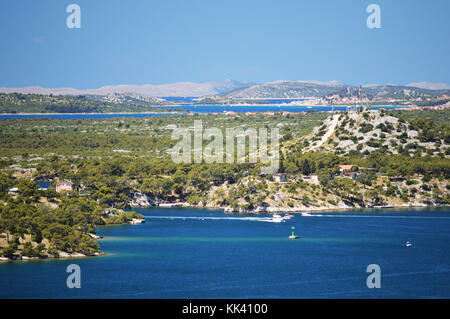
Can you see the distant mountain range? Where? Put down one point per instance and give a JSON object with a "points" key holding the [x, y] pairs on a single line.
{"points": [[186, 89], [430, 86], [238, 89]]}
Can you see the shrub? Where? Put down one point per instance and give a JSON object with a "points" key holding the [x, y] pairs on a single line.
{"points": [[366, 127], [9, 250], [332, 202]]}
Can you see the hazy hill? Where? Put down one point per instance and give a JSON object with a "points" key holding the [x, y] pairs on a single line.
{"points": [[246, 90], [38, 103], [430, 86], [286, 89], [391, 90], [171, 89], [132, 98], [304, 89]]}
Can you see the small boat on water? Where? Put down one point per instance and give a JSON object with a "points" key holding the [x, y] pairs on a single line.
{"points": [[288, 216], [408, 244], [277, 218], [306, 214], [137, 221]]}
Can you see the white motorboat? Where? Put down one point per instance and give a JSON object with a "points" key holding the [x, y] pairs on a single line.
{"points": [[306, 214], [137, 221], [277, 218], [408, 244]]}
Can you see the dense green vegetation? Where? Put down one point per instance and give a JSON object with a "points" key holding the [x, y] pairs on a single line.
{"points": [[110, 160], [30, 221], [138, 136], [379, 162], [36, 103]]}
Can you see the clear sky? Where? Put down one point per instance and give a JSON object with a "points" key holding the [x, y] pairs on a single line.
{"points": [[165, 41]]}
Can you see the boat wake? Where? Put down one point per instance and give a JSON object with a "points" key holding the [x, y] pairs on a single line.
{"points": [[379, 216], [272, 220], [252, 219]]}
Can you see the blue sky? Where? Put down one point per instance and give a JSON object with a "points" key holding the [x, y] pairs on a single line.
{"points": [[156, 42]]}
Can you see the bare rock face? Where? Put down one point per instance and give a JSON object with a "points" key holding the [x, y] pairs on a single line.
{"points": [[142, 200]]}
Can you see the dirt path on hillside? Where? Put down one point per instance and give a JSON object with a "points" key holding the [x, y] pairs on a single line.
{"points": [[326, 136]]}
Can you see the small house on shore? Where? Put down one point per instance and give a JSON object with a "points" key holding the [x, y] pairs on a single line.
{"points": [[64, 186], [345, 168]]}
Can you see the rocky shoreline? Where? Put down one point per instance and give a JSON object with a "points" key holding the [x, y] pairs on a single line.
{"points": [[63, 254], [278, 209], [60, 255]]}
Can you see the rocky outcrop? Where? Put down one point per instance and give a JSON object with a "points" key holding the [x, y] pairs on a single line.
{"points": [[366, 131], [95, 236], [142, 200]]}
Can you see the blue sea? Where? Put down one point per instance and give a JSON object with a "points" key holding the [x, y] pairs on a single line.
{"points": [[190, 108], [199, 253]]}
